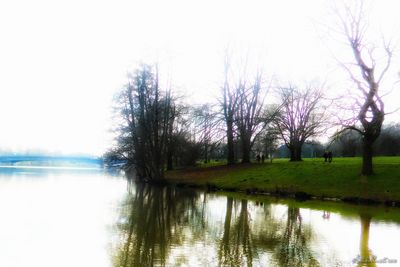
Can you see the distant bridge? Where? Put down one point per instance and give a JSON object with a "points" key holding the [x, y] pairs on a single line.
{"points": [[13, 159]]}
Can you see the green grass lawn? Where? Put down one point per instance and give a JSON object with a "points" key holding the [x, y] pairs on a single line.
{"points": [[339, 179]]}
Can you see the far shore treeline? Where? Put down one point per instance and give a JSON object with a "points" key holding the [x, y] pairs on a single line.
{"points": [[159, 130]]}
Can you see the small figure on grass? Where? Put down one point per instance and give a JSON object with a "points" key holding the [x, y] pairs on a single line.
{"points": [[326, 156], [329, 156], [258, 158], [262, 158]]}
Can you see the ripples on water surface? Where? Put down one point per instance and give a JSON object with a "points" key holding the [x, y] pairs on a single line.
{"points": [[86, 217]]}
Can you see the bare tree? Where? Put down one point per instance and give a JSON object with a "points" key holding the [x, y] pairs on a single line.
{"points": [[148, 113], [300, 117], [207, 124], [366, 76], [250, 101], [270, 142], [229, 104], [177, 124]]}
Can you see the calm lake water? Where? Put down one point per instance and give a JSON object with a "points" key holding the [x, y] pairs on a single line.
{"points": [[86, 217]]}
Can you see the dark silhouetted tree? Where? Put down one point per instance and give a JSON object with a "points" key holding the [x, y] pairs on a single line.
{"points": [[250, 100], [229, 104], [148, 114], [206, 121], [366, 72], [299, 118]]}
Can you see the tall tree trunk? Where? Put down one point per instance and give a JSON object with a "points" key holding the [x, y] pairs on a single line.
{"points": [[367, 168], [245, 149], [169, 160], [230, 141], [169, 145], [205, 152], [295, 152], [298, 153]]}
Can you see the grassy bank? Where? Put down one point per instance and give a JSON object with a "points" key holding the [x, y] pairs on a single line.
{"points": [[340, 179]]}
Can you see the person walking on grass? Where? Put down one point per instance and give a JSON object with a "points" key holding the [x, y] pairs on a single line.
{"points": [[330, 156], [326, 156]]}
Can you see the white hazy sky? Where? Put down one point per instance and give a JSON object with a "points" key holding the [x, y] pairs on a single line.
{"points": [[61, 62]]}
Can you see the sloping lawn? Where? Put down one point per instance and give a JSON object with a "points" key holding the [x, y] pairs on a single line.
{"points": [[339, 179]]}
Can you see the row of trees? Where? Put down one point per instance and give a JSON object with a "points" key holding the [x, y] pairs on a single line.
{"points": [[349, 143], [158, 131]]}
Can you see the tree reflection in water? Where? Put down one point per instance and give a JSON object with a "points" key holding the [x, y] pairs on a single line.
{"points": [[225, 254], [152, 223], [236, 248], [244, 240], [366, 259], [294, 245], [166, 226]]}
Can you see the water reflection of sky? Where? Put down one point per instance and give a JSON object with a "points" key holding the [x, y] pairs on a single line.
{"points": [[60, 219]]}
